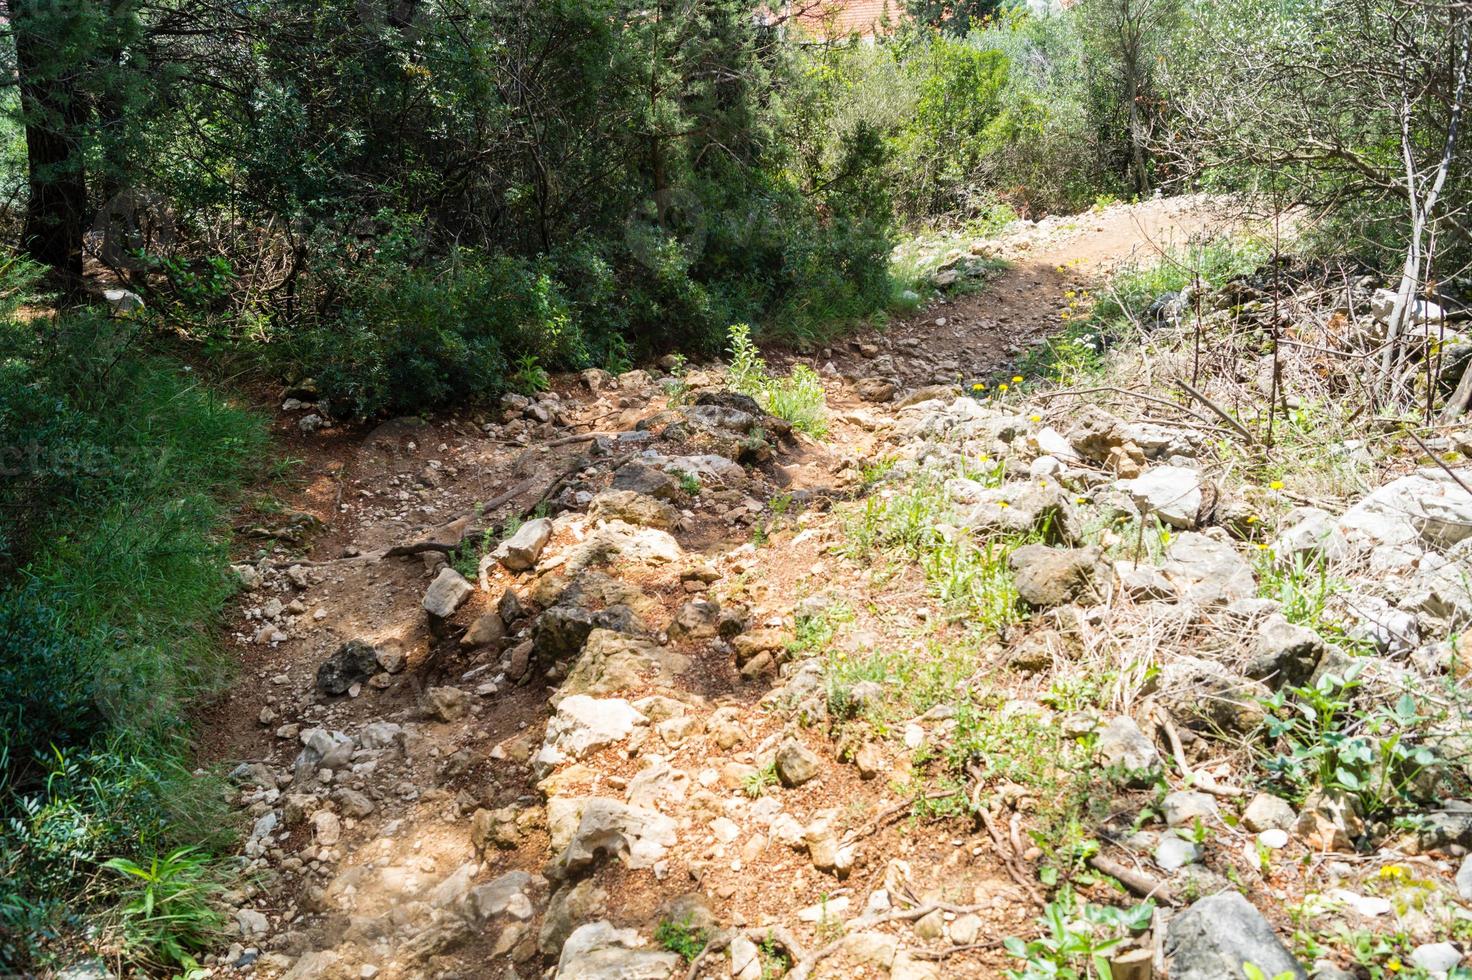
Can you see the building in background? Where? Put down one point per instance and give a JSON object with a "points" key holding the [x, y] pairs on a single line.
{"points": [[830, 20]]}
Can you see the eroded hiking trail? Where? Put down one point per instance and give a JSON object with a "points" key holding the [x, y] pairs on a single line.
{"points": [[623, 719]]}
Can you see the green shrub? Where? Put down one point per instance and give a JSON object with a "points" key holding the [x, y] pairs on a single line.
{"points": [[408, 336], [799, 398], [113, 566]]}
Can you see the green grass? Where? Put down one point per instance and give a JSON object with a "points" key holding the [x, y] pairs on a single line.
{"points": [[113, 570], [969, 577], [1091, 323], [799, 398], [682, 938]]}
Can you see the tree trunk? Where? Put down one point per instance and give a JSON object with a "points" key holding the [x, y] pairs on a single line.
{"points": [[54, 111]]}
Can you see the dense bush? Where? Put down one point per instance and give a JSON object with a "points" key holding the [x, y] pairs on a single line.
{"points": [[118, 463]]}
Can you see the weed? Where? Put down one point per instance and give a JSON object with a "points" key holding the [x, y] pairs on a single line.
{"points": [[1377, 754], [758, 780], [530, 377], [798, 398], [167, 911], [690, 483], [682, 938], [1077, 939]]}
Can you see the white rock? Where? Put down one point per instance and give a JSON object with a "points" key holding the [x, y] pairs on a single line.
{"points": [[446, 593], [521, 551], [583, 724], [1437, 959], [1172, 852], [1172, 493], [1274, 839]]}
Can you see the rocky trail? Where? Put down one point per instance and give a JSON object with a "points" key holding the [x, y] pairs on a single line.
{"points": [[608, 685]]}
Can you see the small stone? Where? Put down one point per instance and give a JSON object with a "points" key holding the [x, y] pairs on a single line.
{"points": [[796, 763], [931, 927], [1438, 959], [1121, 745], [446, 593], [965, 929], [1268, 812], [1172, 853], [1183, 809], [1273, 838], [447, 703]]}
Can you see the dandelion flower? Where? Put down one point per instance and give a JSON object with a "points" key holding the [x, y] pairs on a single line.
{"points": [[1261, 546], [1002, 388], [977, 387], [1035, 418], [1081, 500], [1017, 379], [1251, 518], [1276, 485], [1002, 503]]}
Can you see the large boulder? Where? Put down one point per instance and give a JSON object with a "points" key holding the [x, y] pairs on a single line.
{"points": [[1218, 936]]}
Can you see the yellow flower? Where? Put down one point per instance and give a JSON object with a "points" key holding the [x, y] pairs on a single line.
{"points": [[1276, 485], [1002, 504], [1035, 418], [1393, 964], [977, 387], [1017, 379], [1069, 294], [1081, 500], [1002, 388], [1261, 546], [1251, 518]]}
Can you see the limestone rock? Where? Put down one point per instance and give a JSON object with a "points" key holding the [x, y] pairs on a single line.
{"points": [[1121, 745], [796, 763], [447, 593], [613, 662], [1047, 577], [633, 507], [1208, 570], [521, 551], [598, 951], [1172, 493], [586, 830], [1268, 812], [1217, 935], [582, 725]]}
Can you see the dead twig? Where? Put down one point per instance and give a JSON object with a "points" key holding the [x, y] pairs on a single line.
{"points": [[1220, 413]]}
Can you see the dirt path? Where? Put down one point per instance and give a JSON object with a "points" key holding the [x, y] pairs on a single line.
{"points": [[411, 820]]}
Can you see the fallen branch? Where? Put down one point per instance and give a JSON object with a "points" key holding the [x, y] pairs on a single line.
{"points": [[1201, 780], [1139, 883]]}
